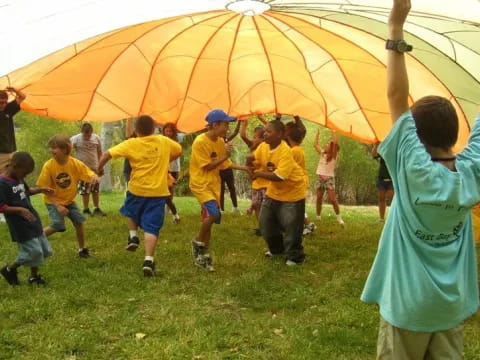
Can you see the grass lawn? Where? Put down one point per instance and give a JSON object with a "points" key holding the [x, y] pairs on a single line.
{"points": [[250, 308]]}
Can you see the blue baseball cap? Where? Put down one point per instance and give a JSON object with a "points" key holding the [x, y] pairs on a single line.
{"points": [[218, 115]]}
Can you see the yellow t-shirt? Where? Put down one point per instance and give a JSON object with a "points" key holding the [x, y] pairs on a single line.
{"points": [[149, 157], [64, 179], [299, 157], [205, 184], [280, 161]]}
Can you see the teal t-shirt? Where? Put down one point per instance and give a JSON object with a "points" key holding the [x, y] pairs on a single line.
{"points": [[424, 277]]}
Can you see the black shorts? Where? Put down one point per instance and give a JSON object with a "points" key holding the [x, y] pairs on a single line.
{"points": [[384, 184]]}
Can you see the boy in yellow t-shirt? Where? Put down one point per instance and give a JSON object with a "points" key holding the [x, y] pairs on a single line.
{"points": [[210, 154], [282, 213], [62, 174], [149, 156]]}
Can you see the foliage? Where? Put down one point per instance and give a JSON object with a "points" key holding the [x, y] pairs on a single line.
{"points": [[355, 176], [251, 308], [32, 134]]}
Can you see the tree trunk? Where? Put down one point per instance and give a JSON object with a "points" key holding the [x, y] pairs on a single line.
{"points": [[106, 136]]}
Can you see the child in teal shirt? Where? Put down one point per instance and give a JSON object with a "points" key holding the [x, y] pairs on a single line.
{"points": [[424, 277]]}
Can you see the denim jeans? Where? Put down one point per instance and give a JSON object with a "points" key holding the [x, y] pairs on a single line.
{"points": [[281, 224]]}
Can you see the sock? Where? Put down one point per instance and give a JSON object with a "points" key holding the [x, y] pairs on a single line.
{"points": [[132, 233], [150, 258]]}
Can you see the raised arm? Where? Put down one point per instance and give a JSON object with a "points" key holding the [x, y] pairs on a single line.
{"points": [[235, 132], [397, 77], [243, 133], [19, 96], [316, 145]]}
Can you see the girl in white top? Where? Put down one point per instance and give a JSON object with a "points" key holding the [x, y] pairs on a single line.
{"points": [[326, 174]]}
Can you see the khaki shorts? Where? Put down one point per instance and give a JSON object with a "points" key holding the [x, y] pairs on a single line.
{"points": [[4, 161], [399, 344]]}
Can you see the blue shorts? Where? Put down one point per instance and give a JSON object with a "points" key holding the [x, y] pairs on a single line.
{"points": [[33, 252], [147, 212], [58, 220], [211, 208]]}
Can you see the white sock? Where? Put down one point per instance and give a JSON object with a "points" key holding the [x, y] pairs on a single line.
{"points": [[149, 258], [132, 233]]}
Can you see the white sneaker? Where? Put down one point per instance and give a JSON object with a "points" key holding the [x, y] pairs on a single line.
{"points": [[236, 211], [176, 219], [2, 218], [204, 262], [292, 263], [340, 220]]}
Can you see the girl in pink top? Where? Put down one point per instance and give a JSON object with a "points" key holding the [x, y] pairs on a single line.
{"points": [[326, 174]]}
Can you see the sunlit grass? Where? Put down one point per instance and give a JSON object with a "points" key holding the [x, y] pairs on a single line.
{"points": [[250, 308]]}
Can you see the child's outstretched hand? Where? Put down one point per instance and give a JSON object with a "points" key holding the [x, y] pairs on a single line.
{"points": [[26, 214]]}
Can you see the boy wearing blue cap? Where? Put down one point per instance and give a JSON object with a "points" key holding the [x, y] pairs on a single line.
{"points": [[424, 277], [210, 154]]}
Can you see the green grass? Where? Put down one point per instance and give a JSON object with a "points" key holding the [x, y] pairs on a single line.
{"points": [[251, 308]]}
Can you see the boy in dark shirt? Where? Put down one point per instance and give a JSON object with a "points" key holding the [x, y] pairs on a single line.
{"points": [[22, 219]]}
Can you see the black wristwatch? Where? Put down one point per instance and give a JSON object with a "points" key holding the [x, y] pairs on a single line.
{"points": [[400, 46]]}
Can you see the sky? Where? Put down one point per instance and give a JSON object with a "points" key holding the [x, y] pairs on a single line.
{"points": [[32, 29]]}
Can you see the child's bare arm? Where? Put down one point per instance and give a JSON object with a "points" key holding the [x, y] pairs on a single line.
{"points": [[235, 132], [41, 190], [397, 77], [316, 145], [243, 133], [103, 160], [17, 210]]}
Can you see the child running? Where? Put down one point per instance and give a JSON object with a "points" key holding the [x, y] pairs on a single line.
{"points": [[424, 277], [210, 154], [149, 156], [23, 220], [62, 174]]}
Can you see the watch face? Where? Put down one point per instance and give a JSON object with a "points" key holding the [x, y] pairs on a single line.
{"points": [[402, 46]]}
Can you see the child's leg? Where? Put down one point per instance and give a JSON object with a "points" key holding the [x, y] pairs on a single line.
{"points": [[395, 343], [291, 216], [96, 199], [205, 232], [270, 226], [230, 180], [152, 213], [333, 200], [57, 219], [77, 220], [381, 203], [222, 190], [80, 232], [319, 200], [447, 344], [150, 244]]}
